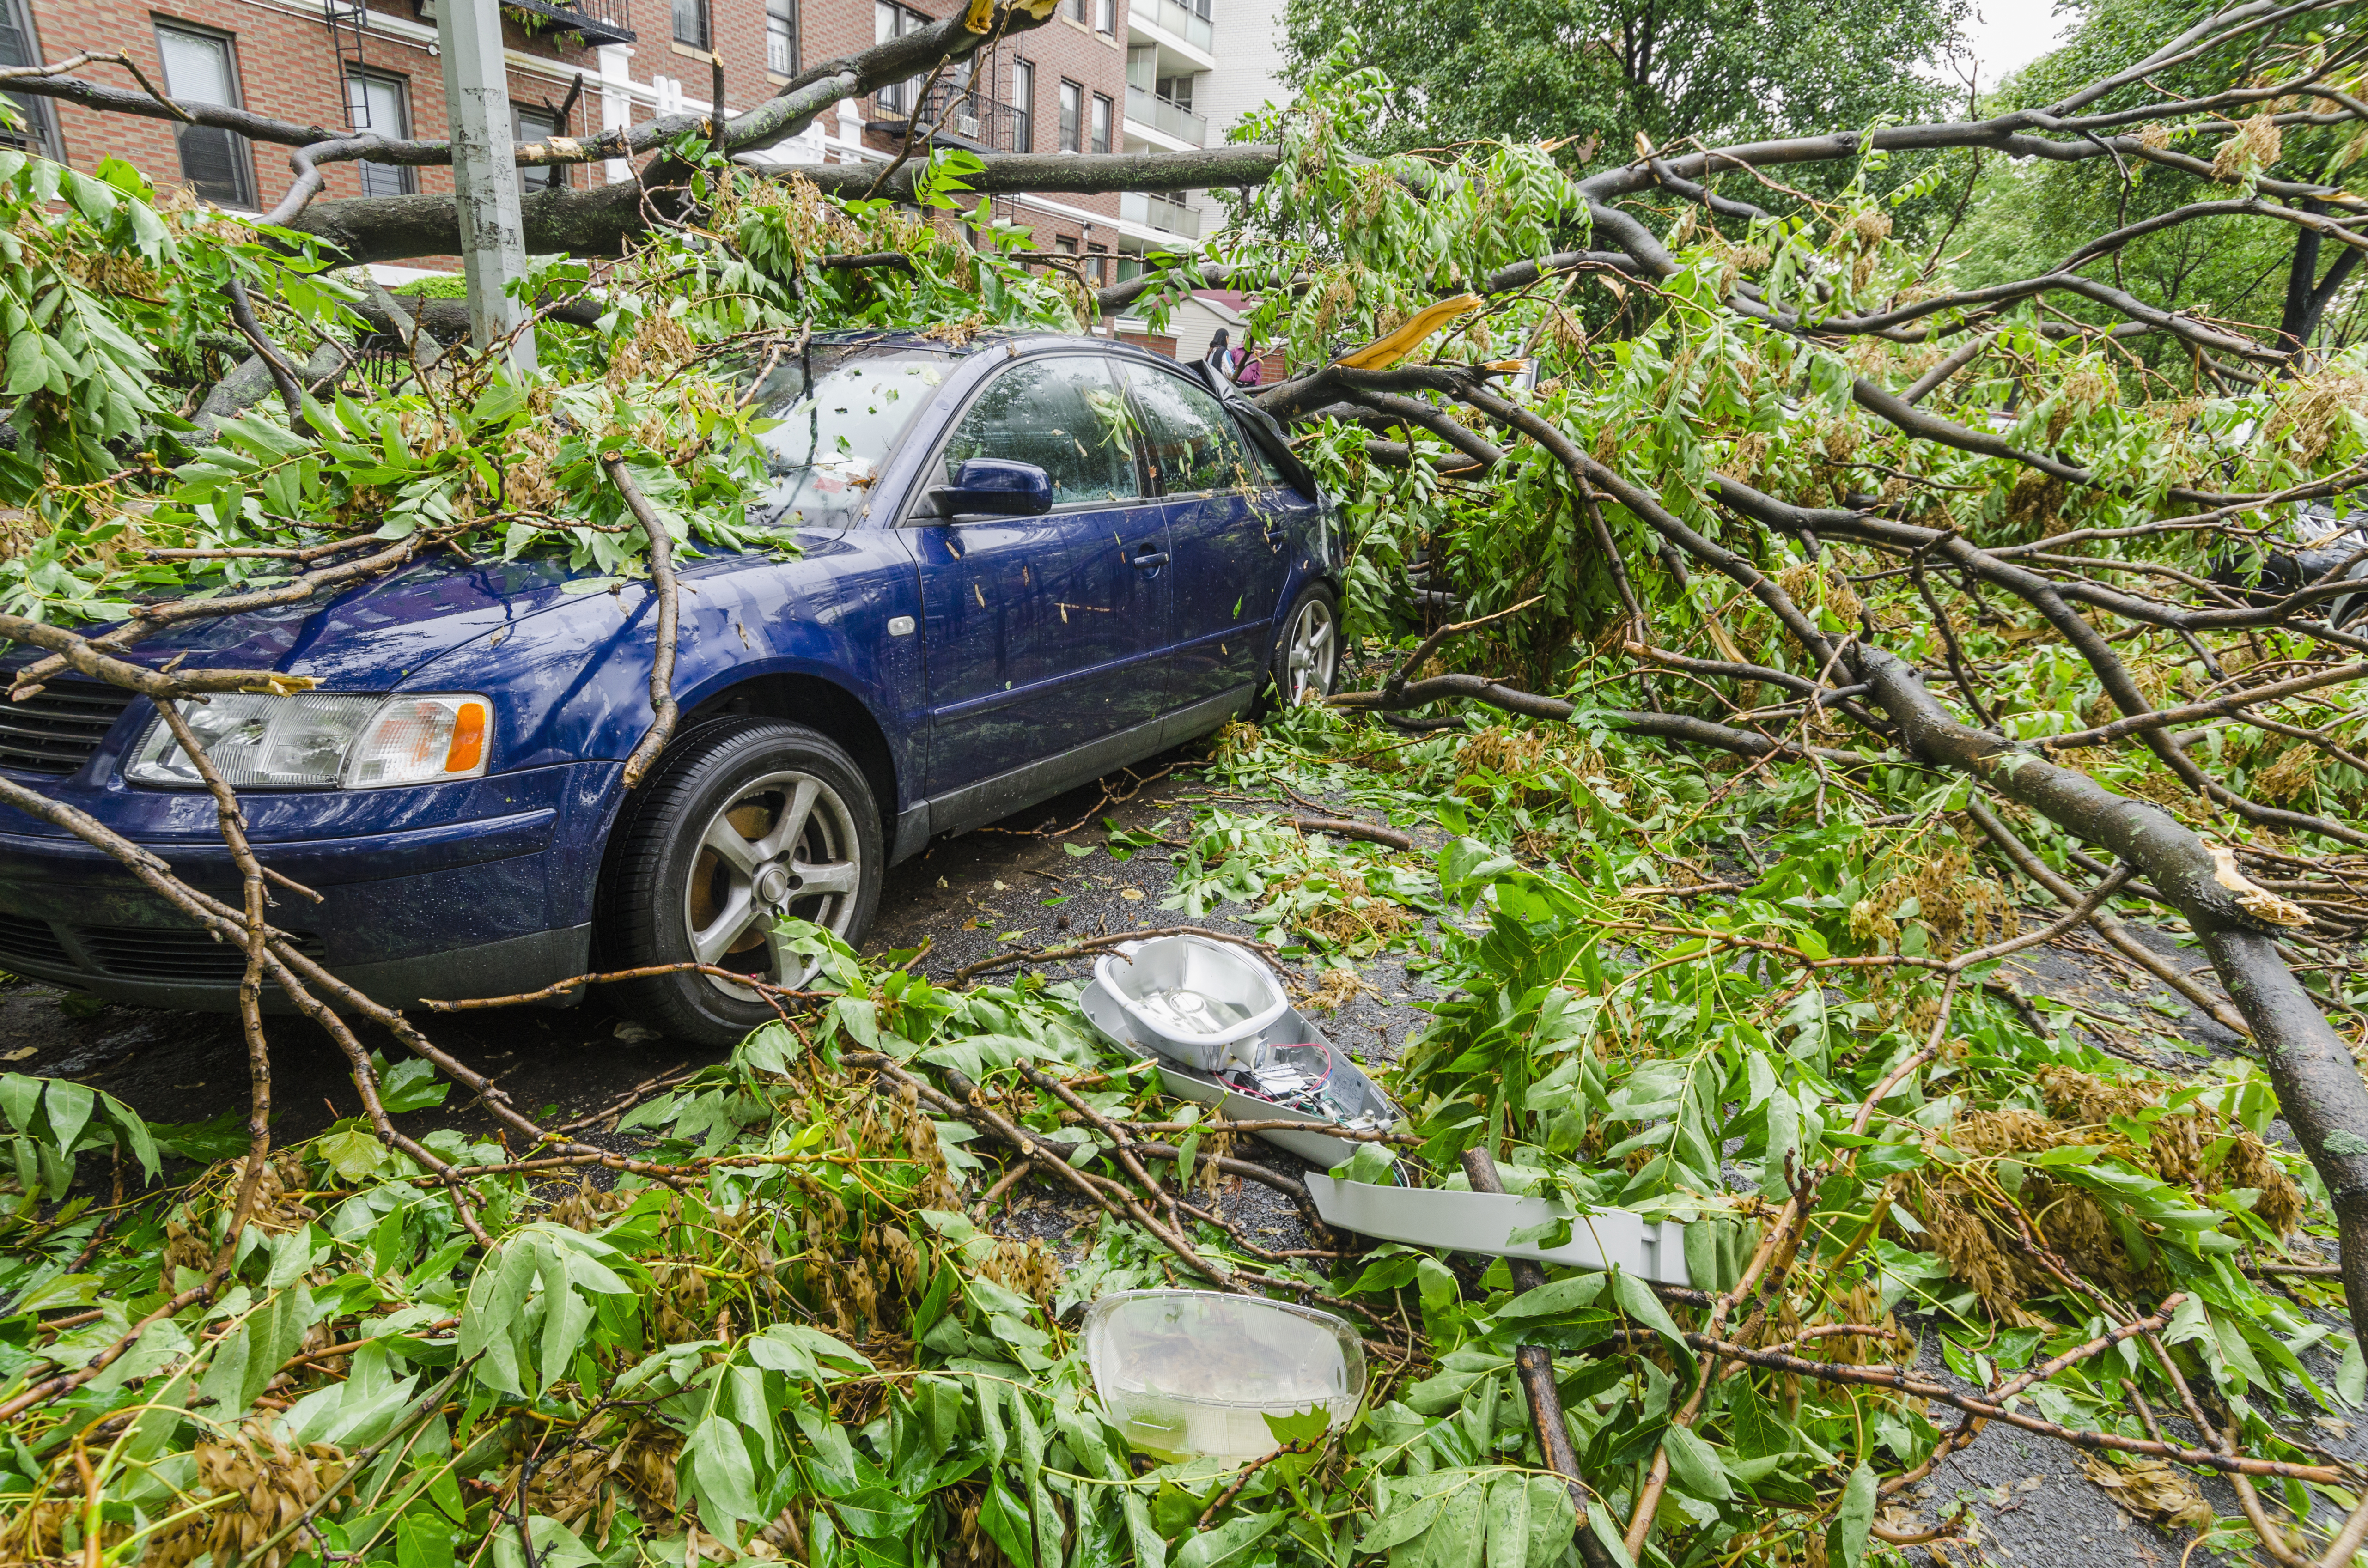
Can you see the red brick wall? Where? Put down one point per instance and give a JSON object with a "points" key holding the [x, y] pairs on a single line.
{"points": [[1063, 49], [288, 68]]}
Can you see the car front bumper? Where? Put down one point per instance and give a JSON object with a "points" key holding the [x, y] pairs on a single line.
{"points": [[488, 905]]}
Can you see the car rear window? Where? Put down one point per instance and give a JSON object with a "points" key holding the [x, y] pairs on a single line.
{"points": [[839, 411]]}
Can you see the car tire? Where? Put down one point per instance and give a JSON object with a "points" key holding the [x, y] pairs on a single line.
{"points": [[743, 819], [1305, 660]]}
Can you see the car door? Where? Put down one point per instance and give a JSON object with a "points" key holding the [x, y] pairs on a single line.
{"points": [[1229, 557], [1043, 634]]}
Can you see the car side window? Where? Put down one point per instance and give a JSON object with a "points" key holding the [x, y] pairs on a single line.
{"points": [[1263, 465], [1064, 414], [1193, 444]]}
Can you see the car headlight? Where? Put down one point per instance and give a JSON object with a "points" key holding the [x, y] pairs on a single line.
{"points": [[321, 740]]}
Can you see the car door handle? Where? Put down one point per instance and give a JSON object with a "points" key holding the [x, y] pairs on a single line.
{"points": [[1148, 558]]}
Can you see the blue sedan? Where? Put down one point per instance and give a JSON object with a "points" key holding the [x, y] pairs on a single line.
{"points": [[1018, 565]]}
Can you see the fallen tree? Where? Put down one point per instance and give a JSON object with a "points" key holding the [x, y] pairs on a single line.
{"points": [[1792, 458]]}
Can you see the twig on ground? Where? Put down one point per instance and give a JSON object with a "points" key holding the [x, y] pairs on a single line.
{"points": [[1344, 827]]}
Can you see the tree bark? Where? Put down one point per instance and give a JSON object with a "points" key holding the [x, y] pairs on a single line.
{"points": [[2307, 294]]}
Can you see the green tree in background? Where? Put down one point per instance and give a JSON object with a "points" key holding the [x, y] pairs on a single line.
{"points": [[1595, 73], [2028, 216]]}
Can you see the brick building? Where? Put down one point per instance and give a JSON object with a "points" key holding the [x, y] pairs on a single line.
{"points": [[1102, 75]]}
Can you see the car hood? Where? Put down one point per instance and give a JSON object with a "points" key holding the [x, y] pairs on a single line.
{"points": [[369, 637]]}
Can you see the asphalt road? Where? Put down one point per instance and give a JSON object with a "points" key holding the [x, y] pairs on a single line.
{"points": [[1016, 885]]}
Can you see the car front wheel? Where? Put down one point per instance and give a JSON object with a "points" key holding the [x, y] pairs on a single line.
{"points": [[1307, 655], [747, 821]]}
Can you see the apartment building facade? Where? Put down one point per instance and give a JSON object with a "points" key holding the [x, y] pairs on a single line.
{"points": [[1102, 75]]}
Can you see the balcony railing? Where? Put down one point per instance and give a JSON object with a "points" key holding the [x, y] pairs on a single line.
{"points": [[1174, 120], [1185, 21], [600, 21], [1159, 212]]}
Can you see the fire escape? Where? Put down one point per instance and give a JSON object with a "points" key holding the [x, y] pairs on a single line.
{"points": [[349, 21], [967, 111], [596, 21]]}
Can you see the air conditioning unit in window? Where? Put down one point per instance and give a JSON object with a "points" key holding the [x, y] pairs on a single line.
{"points": [[966, 124]]}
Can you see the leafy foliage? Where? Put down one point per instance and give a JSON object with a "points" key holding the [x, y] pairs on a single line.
{"points": [[117, 317], [1594, 77]]}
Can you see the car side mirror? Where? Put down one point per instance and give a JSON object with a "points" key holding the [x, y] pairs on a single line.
{"points": [[997, 486]]}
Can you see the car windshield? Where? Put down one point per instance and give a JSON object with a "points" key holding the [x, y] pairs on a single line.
{"points": [[833, 434]]}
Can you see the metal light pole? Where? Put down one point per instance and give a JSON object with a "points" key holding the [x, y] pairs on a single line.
{"points": [[477, 104]]}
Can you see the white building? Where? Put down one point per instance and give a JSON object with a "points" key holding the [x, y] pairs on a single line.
{"points": [[1247, 74]]}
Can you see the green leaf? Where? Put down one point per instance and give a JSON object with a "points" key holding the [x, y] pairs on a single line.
{"points": [[1545, 1236], [135, 1133], [20, 1099], [1371, 1165], [422, 1539], [1553, 1517], [1636, 1299], [1226, 1543], [1553, 1299], [493, 1316], [411, 1085], [354, 1154], [1509, 1522], [1006, 1524], [1405, 1521], [720, 1470], [1300, 1427], [1606, 1532], [69, 1104], [1694, 1464], [1457, 1539], [1846, 1542]]}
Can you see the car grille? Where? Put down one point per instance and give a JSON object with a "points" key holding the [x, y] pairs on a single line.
{"points": [[182, 954], [56, 730], [29, 942]]}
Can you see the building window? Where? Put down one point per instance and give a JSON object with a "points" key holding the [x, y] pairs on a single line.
{"points": [[891, 20], [536, 125], [17, 48], [1077, 10], [781, 37], [1098, 265], [199, 69], [1101, 143], [691, 23], [381, 106], [1023, 107], [1106, 17], [1071, 96]]}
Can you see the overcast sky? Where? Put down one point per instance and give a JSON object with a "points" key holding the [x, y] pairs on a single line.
{"points": [[2010, 34]]}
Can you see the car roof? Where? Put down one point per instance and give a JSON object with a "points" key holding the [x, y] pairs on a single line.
{"points": [[1022, 342]]}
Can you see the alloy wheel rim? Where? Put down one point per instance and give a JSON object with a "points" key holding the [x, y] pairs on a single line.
{"points": [[1310, 651], [784, 844]]}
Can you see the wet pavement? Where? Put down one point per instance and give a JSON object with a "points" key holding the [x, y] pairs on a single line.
{"points": [[1014, 886]]}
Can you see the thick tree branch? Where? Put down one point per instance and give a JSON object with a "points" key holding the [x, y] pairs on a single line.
{"points": [[2318, 1086]]}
